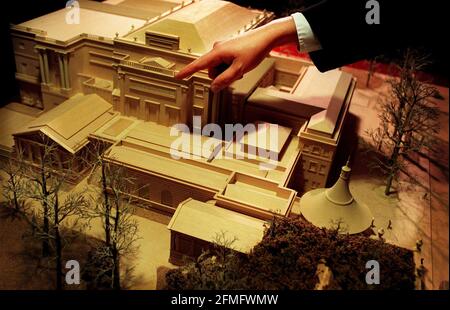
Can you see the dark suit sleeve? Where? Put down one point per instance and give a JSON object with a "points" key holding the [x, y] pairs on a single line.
{"points": [[346, 37]]}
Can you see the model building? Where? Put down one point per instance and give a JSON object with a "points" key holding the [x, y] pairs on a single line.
{"points": [[109, 79], [118, 78]]}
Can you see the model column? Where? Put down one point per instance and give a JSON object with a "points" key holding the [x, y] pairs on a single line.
{"points": [[121, 84], [43, 64], [64, 70]]}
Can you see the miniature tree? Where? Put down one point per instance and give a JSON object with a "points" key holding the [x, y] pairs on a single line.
{"points": [[115, 211], [43, 183], [288, 257], [39, 189], [72, 206], [218, 267], [408, 119], [14, 186], [123, 227]]}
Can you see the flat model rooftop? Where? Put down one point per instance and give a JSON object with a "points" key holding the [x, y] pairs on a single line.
{"points": [[103, 19], [205, 221], [91, 22], [200, 24]]}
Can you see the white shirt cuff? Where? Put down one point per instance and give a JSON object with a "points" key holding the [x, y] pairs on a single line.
{"points": [[307, 41]]}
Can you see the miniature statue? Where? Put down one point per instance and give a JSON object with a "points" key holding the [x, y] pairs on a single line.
{"points": [[389, 225], [381, 233], [419, 244]]}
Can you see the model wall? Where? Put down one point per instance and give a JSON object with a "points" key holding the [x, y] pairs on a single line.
{"points": [[166, 194], [316, 161], [28, 71]]}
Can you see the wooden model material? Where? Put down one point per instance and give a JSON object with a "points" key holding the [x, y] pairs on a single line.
{"points": [[12, 120], [111, 78], [335, 207], [319, 103], [190, 30], [188, 231], [70, 123], [330, 96], [68, 126], [260, 138]]}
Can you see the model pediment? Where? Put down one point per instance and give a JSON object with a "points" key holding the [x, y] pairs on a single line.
{"points": [[157, 62], [70, 123]]}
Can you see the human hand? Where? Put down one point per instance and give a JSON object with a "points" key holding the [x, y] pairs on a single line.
{"points": [[229, 60]]}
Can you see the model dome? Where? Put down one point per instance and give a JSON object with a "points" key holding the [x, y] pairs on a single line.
{"points": [[326, 207]]}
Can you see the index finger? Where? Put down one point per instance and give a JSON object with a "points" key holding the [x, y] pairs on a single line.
{"points": [[203, 62]]}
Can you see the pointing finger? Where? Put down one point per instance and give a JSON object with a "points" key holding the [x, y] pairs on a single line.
{"points": [[208, 60]]}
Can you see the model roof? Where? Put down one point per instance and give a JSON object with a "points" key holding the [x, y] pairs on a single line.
{"points": [[318, 97], [11, 120], [326, 90], [245, 85], [152, 161], [283, 102], [155, 6], [151, 136], [255, 196], [265, 136], [93, 21], [328, 207], [200, 24], [70, 123], [204, 221]]}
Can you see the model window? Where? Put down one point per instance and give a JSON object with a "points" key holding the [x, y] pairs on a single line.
{"points": [[184, 245], [173, 115], [199, 92], [304, 163], [27, 151], [19, 148], [322, 169], [144, 190], [23, 67], [58, 160], [132, 106], [312, 167], [316, 150], [65, 161], [307, 148], [35, 153], [166, 198]]}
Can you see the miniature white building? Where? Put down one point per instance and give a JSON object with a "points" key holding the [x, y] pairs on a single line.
{"points": [[122, 59]]}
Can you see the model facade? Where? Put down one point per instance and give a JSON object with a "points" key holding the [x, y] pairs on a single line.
{"points": [[110, 78]]}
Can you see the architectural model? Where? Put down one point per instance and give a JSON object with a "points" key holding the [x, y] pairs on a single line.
{"points": [[327, 207], [110, 78]]}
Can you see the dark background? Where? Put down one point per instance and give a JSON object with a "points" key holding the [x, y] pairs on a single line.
{"points": [[18, 11]]}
